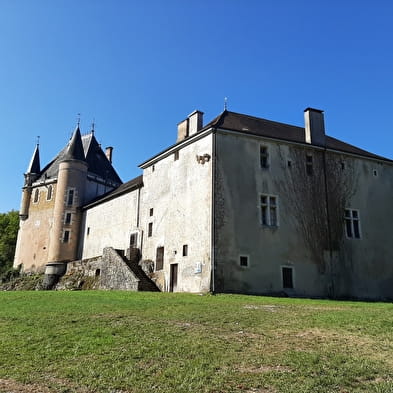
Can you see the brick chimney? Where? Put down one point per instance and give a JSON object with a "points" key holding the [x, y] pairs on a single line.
{"points": [[190, 126], [314, 126], [108, 153]]}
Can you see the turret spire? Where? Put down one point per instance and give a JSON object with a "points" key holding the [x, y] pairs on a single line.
{"points": [[75, 147], [34, 166]]}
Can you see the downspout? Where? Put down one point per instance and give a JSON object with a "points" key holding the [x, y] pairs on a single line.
{"points": [[328, 224], [213, 221]]}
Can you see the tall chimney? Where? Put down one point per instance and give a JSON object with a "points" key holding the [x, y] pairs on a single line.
{"points": [[108, 153], [195, 122], [314, 126]]}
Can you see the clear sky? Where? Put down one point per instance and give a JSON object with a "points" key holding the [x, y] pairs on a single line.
{"points": [[140, 67]]}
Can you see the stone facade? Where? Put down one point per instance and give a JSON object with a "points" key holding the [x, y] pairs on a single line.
{"points": [[242, 205]]}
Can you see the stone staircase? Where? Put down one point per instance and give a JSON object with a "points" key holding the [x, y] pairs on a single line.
{"points": [[132, 260]]}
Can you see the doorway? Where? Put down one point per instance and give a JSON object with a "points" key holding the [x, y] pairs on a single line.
{"points": [[173, 278]]}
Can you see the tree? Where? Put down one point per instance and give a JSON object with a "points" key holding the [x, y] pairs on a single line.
{"points": [[9, 224]]}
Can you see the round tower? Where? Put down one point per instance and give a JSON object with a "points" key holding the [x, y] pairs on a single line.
{"points": [[70, 195]]}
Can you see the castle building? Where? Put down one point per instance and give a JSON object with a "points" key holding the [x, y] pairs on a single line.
{"points": [[241, 204]]}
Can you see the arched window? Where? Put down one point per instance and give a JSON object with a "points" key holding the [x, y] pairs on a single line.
{"points": [[49, 193], [36, 195]]}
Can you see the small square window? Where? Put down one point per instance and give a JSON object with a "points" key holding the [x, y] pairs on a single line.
{"points": [[185, 250], [243, 260]]}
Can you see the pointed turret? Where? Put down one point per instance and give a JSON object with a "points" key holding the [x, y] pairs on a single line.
{"points": [[75, 147], [34, 167]]}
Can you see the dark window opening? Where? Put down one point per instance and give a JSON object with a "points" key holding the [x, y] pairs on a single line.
{"points": [[287, 277], [133, 240], [176, 155], [68, 218], [185, 250], [150, 229], [343, 165], [151, 212], [243, 260], [309, 165], [66, 236], [375, 172], [70, 198], [153, 168], [289, 163], [88, 231], [36, 195], [98, 272], [264, 157], [160, 258], [49, 193]]}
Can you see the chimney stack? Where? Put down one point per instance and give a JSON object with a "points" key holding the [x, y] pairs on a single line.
{"points": [[190, 126], [108, 153], [314, 126]]}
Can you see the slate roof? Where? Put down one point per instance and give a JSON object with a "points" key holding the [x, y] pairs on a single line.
{"points": [[90, 151], [262, 127], [123, 189], [34, 166]]}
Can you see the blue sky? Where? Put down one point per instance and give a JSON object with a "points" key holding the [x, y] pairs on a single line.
{"points": [[140, 67]]}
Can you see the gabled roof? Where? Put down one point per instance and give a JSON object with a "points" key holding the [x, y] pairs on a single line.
{"points": [[123, 189], [34, 166], [257, 126], [92, 153]]}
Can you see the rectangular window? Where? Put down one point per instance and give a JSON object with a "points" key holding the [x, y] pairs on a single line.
{"points": [[185, 250], [67, 218], [88, 231], [160, 258], [66, 236], [176, 155], [264, 157], [133, 240], [36, 195], [352, 223], [269, 206], [243, 260], [151, 212], [49, 193], [309, 165], [70, 197], [287, 277], [150, 229]]}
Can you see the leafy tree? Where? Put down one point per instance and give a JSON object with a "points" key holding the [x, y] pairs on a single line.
{"points": [[9, 224]]}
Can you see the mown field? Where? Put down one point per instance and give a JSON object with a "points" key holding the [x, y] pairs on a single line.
{"points": [[119, 342]]}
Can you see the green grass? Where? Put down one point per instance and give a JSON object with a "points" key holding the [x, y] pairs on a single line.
{"points": [[120, 342]]}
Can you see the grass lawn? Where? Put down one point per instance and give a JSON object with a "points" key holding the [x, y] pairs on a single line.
{"points": [[119, 342]]}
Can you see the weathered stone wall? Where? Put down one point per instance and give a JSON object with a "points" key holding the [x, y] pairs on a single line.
{"points": [[176, 201], [312, 243], [109, 224]]}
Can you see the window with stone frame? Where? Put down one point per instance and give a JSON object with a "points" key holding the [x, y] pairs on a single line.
{"points": [[160, 258], [269, 210], [264, 157], [352, 223], [70, 197], [49, 193]]}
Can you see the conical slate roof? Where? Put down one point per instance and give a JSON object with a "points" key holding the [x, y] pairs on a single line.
{"points": [[74, 149], [34, 166]]}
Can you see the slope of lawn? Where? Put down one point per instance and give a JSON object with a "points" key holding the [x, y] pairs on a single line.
{"points": [[120, 342]]}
